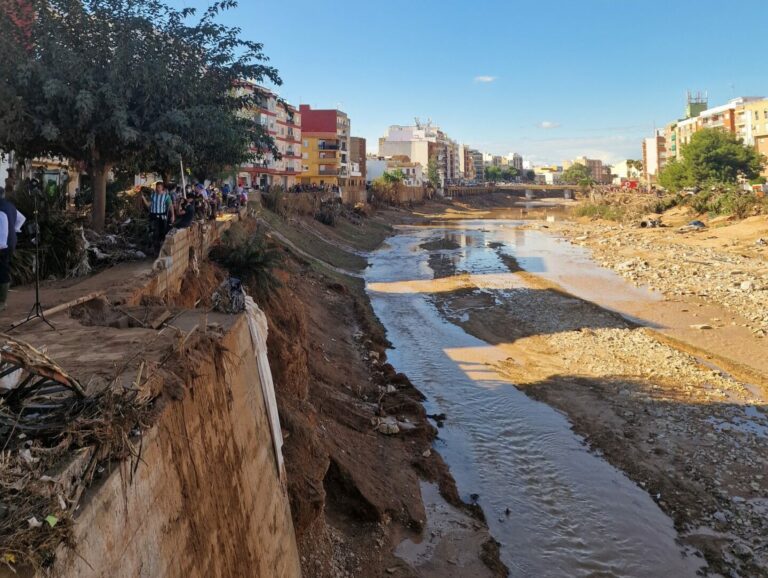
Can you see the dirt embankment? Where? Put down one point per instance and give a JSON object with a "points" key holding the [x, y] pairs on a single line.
{"points": [[357, 440], [688, 432]]}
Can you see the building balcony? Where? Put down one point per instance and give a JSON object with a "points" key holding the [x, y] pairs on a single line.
{"points": [[329, 172], [326, 146]]}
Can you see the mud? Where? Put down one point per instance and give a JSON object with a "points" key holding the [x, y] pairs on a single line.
{"points": [[355, 492]]}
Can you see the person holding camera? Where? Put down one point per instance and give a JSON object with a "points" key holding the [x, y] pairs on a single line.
{"points": [[11, 222]]}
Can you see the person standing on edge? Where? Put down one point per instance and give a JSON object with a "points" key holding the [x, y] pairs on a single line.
{"points": [[10, 182], [11, 222], [160, 208]]}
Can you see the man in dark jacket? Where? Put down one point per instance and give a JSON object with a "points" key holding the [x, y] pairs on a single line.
{"points": [[11, 222]]}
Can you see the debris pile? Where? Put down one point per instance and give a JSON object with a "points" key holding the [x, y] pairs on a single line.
{"points": [[55, 437]]}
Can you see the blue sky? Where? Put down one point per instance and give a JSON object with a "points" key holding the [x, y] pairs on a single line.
{"points": [[550, 79]]}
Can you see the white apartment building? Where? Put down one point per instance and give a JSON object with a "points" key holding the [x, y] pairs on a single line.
{"points": [[420, 143]]}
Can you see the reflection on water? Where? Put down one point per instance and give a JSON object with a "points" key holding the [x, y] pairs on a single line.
{"points": [[572, 514]]}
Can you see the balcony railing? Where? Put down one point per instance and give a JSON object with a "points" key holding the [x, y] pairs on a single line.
{"points": [[324, 146], [329, 172]]}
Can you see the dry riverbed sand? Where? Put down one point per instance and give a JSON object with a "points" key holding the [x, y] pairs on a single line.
{"points": [[657, 405]]}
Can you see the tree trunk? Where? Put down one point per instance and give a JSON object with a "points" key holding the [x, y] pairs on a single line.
{"points": [[99, 182]]}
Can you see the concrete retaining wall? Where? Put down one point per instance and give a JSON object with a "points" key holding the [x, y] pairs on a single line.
{"points": [[206, 499], [181, 247]]}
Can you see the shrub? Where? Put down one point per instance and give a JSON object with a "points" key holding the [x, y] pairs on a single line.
{"points": [[274, 200], [328, 213], [605, 211], [61, 242], [250, 259]]}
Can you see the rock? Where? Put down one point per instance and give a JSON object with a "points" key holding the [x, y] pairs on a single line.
{"points": [[747, 286], [426, 453], [701, 326], [387, 426]]}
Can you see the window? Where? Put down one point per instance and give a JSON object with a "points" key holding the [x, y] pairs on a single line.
{"points": [[306, 143], [305, 155]]}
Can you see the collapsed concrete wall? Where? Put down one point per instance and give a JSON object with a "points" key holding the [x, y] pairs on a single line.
{"points": [[181, 250], [207, 498]]}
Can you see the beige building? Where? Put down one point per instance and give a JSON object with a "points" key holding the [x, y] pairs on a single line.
{"points": [[421, 143], [283, 123], [596, 169]]}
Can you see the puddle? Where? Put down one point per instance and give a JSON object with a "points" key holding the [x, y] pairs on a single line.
{"points": [[571, 513], [450, 541]]}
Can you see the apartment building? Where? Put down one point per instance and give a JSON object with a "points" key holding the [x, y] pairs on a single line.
{"points": [[283, 123], [654, 156], [325, 152], [752, 126], [478, 165], [740, 116], [597, 170], [357, 157], [413, 172], [469, 172], [515, 161], [421, 143]]}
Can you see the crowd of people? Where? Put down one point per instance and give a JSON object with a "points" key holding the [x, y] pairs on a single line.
{"points": [[177, 206], [314, 188]]}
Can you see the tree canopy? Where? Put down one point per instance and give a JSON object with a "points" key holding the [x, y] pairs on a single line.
{"points": [[394, 177], [493, 174], [712, 155], [433, 174], [577, 174], [130, 82]]}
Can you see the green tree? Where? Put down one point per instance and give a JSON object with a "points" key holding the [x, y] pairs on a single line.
{"points": [[712, 155], [508, 173], [394, 177], [675, 176], [717, 155], [492, 174], [577, 174], [433, 174], [131, 82]]}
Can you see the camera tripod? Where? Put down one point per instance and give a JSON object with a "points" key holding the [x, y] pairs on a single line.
{"points": [[37, 311]]}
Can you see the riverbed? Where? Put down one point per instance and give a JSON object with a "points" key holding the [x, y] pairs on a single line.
{"points": [[557, 508]]}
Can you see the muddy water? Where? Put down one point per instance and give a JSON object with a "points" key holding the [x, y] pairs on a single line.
{"points": [[570, 512]]}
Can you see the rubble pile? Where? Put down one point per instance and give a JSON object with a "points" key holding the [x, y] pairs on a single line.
{"points": [[55, 437]]}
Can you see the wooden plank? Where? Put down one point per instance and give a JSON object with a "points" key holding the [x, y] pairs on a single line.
{"points": [[62, 307], [162, 318]]}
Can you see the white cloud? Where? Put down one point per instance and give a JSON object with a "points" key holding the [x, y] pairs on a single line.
{"points": [[485, 79], [548, 124]]}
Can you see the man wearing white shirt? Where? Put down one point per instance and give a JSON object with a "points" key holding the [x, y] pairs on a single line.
{"points": [[11, 222]]}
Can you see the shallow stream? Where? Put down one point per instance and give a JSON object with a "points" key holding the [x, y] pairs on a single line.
{"points": [[570, 512]]}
